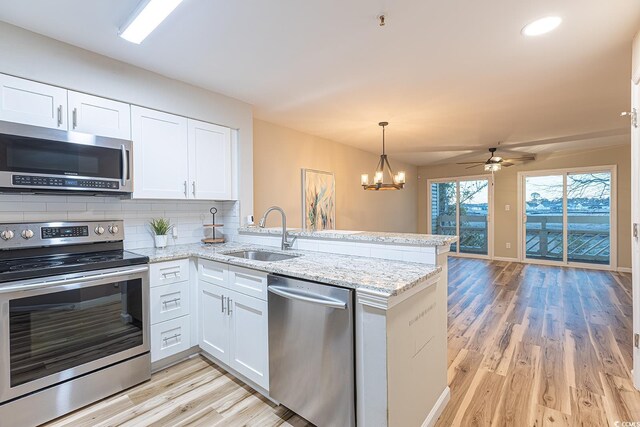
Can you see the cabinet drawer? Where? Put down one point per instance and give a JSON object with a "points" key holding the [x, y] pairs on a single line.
{"points": [[170, 337], [213, 272], [248, 282], [165, 273], [169, 302]]}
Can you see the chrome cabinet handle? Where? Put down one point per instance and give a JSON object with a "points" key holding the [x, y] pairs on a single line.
{"points": [[229, 301], [59, 115], [194, 188], [222, 302], [174, 274], [75, 118], [173, 337], [171, 301], [185, 189]]}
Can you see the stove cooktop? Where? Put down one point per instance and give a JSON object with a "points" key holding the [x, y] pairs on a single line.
{"points": [[53, 265]]}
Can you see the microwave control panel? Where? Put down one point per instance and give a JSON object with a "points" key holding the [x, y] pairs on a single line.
{"points": [[51, 181]]}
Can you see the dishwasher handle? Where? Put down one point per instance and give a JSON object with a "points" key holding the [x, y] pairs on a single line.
{"points": [[299, 295]]}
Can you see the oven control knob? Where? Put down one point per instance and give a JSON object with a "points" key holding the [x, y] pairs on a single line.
{"points": [[6, 235], [99, 230], [26, 234], [113, 229]]}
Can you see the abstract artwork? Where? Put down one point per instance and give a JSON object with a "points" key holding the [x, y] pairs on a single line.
{"points": [[318, 200]]}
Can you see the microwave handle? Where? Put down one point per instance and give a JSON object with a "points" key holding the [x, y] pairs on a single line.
{"points": [[125, 165], [73, 280]]}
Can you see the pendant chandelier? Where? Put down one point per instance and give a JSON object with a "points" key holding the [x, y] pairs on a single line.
{"points": [[397, 180]]}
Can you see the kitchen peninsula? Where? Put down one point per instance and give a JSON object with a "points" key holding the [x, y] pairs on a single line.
{"points": [[400, 284]]}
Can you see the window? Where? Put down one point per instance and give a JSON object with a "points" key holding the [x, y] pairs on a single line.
{"points": [[461, 206]]}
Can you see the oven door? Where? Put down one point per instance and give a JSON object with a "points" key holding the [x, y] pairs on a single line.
{"points": [[55, 331], [40, 158]]}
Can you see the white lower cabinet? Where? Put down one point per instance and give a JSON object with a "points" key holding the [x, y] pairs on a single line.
{"points": [[169, 308], [214, 321], [233, 325], [248, 335], [170, 337]]}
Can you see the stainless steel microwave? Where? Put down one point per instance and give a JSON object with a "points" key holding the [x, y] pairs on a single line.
{"points": [[35, 159]]}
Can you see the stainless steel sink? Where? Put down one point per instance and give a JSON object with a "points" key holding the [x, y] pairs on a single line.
{"points": [[261, 255]]}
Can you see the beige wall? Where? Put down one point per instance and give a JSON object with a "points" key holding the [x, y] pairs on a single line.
{"points": [[506, 193], [280, 153]]}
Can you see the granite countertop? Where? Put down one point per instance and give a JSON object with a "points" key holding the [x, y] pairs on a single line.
{"points": [[411, 239], [386, 277]]}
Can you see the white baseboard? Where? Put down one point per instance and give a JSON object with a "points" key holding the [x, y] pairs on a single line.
{"points": [[505, 258], [437, 409]]}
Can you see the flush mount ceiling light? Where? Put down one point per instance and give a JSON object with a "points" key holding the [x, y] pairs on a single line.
{"points": [[542, 26], [397, 180], [147, 16]]}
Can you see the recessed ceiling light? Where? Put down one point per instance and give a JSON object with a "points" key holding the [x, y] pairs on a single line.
{"points": [[542, 26], [147, 16]]}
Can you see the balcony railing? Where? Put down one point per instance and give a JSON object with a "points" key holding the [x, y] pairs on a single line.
{"points": [[473, 232], [588, 236]]}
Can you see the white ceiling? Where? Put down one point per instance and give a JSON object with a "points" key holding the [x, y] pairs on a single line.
{"points": [[453, 73]]}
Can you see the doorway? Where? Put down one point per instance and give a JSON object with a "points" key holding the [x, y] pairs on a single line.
{"points": [[568, 217], [463, 207]]}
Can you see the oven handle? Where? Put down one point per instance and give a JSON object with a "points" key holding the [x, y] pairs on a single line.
{"points": [[125, 165], [73, 280]]}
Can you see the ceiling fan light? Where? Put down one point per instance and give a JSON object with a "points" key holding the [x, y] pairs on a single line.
{"points": [[492, 167]]}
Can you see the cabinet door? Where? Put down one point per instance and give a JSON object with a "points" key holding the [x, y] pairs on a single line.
{"points": [[249, 343], [99, 116], [209, 161], [159, 154], [214, 321], [31, 103]]}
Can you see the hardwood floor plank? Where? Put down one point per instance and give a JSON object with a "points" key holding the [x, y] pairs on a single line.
{"points": [[621, 399], [484, 400], [587, 408], [547, 417], [517, 405]]}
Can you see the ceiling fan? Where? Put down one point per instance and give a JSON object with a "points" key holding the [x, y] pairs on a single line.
{"points": [[495, 163]]}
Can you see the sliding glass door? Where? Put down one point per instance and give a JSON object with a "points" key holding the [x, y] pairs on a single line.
{"points": [[544, 212], [568, 216], [461, 206]]}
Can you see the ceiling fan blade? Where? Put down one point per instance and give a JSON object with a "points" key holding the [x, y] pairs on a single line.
{"points": [[507, 164], [520, 159], [470, 163], [474, 166]]}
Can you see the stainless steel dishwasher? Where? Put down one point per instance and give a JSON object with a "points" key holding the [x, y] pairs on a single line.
{"points": [[311, 350]]}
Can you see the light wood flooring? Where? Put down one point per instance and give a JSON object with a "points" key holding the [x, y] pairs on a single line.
{"points": [[193, 393], [528, 346], [538, 346]]}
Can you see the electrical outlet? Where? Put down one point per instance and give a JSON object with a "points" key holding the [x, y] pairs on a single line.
{"points": [[508, 245], [174, 232], [507, 207]]}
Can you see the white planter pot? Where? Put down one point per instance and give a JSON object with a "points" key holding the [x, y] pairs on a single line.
{"points": [[161, 241]]}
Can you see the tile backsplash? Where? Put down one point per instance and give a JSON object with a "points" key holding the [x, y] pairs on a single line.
{"points": [[188, 215]]}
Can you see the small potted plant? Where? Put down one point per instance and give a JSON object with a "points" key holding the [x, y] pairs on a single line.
{"points": [[161, 228]]}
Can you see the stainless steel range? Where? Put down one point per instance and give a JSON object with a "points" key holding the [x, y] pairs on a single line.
{"points": [[74, 320]]}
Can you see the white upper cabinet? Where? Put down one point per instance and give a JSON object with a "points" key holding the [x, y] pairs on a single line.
{"points": [[27, 102], [209, 161], [159, 154], [99, 116]]}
